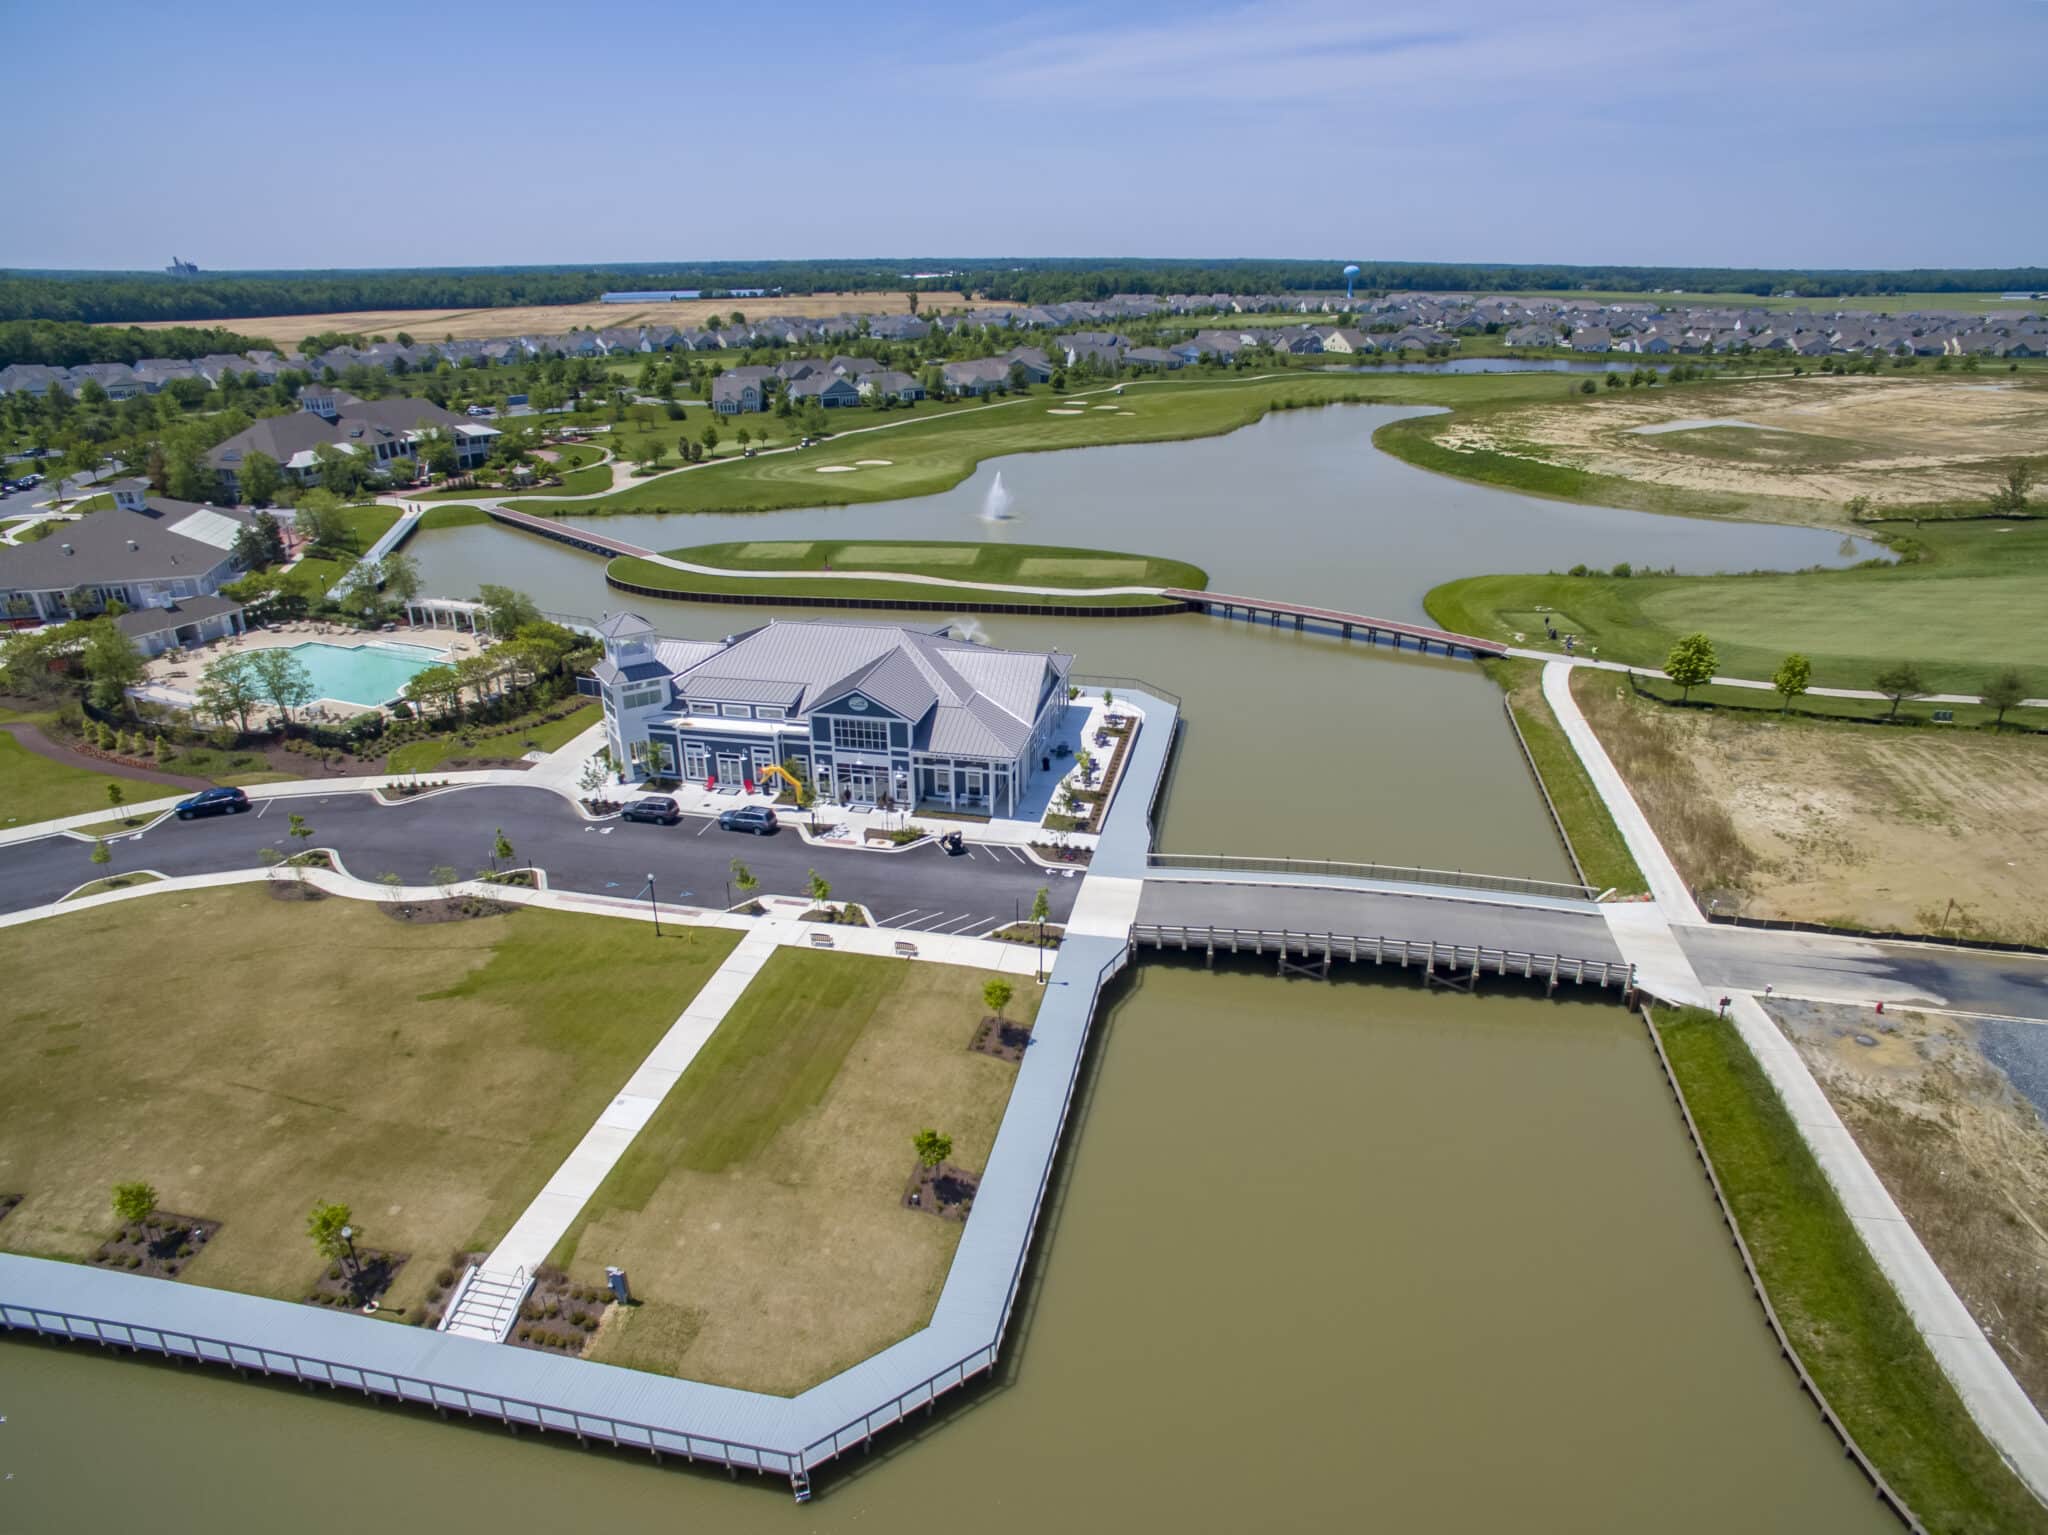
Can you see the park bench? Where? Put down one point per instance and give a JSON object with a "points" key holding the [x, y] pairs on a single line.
{"points": [[821, 941], [905, 949]]}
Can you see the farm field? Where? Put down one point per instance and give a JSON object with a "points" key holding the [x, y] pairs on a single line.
{"points": [[288, 330], [761, 1211], [1964, 604], [430, 1076]]}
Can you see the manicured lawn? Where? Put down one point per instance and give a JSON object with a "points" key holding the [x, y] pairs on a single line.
{"points": [[366, 524], [429, 1076], [1850, 1329], [506, 741], [1966, 606], [940, 445], [1075, 570], [113, 882], [760, 1211], [34, 788], [1603, 855]]}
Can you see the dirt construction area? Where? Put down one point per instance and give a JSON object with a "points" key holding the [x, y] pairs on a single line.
{"points": [[1853, 825], [1898, 441], [1963, 1152], [288, 330]]}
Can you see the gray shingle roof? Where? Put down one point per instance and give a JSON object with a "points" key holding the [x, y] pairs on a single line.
{"points": [[112, 547], [187, 610]]}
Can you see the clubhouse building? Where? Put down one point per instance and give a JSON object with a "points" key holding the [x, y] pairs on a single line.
{"points": [[866, 713]]}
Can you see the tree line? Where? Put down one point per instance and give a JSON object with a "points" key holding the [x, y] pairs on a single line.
{"points": [[104, 297], [71, 343]]}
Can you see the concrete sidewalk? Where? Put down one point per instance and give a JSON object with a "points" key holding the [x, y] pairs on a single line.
{"points": [[1644, 933]]}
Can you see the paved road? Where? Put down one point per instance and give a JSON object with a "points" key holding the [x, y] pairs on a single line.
{"points": [[1858, 969], [1370, 914], [921, 888]]}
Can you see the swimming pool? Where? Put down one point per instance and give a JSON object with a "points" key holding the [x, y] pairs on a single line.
{"points": [[364, 674]]}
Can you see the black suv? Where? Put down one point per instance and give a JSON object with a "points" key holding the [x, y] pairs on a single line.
{"points": [[758, 819], [658, 808], [213, 802]]}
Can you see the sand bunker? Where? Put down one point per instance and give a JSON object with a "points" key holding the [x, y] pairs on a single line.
{"points": [[873, 463], [835, 468], [1697, 423], [1060, 411], [1109, 407]]}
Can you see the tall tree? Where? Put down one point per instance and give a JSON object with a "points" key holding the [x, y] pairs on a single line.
{"points": [[229, 689], [259, 479], [282, 678], [111, 662], [1692, 662]]}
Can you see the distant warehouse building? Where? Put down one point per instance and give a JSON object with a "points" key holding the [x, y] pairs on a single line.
{"points": [[650, 296]]}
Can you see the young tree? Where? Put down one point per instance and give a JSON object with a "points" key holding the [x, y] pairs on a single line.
{"points": [[710, 439], [996, 993], [1793, 676], [229, 689], [509, 610], [116, 795], [301, 834], [1899, 683], [317, 516], [2010, 499], [282, 678], [1692, 662], [746, 879], [821, 888], [134, 1202], [399, 575], [501, 847], [325, 1226], [101, 856], [1041, 905], [932, 1148], [2005, 691]]}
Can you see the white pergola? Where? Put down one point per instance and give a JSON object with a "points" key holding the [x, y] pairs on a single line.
{"points": [[448, 613]]}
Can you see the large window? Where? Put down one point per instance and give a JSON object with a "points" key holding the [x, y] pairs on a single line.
{"points": [[861, 735], [642, 696]]}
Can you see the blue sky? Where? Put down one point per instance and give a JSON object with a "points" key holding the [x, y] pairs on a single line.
{"points": [[1872, 134]]}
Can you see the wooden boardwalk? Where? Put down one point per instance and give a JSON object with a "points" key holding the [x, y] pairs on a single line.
{"points": [[565, 533], [1348, 625]]}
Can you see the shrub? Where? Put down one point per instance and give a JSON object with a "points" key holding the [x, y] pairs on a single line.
{"points": [[1624, 570], [1576, 570], [135, 1263], [445, 1278]]}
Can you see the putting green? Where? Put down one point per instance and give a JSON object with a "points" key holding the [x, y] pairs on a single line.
{"points": [[774, 551], [859, 556]]}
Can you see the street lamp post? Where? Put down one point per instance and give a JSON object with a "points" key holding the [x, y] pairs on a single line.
{"points": [[654, 905], [355, 1264], [1041, 951]]}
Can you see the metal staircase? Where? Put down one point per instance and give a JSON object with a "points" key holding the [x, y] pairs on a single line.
{"points": [[486, 1304]]}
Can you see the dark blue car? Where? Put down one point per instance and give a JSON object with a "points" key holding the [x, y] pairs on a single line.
{"points": [[213, 802]]}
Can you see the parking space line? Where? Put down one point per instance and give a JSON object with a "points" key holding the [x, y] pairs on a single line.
{"points": [[708, 824], [892, 921], [266, 809], [955, 923], [928, 924]]}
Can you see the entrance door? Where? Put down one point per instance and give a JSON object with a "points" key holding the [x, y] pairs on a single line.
{"points": [[864, 782], [729, 769]]}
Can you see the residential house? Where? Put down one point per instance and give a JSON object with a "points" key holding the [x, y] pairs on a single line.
{"points": [[31, 378], [984, 375], [141, 552], [889, 384], [732, 394], [1346, 341], [1154, 357], [380, 431], [834, 391], [867, 713], [1036, 365]]}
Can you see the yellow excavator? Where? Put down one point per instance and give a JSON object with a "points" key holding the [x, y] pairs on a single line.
{"points": [[796, 786]]}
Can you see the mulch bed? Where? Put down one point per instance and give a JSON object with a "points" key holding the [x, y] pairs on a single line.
{"points": [[560, 1317], [354, 1286], [445, 1280], [945, 1191], [468, 764], [8, 1202], [158, 1247], [456, 909], [1004, 1040], [835, 917]]}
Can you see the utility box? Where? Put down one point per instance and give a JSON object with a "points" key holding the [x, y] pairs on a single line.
{"points": [[616, 1278]]}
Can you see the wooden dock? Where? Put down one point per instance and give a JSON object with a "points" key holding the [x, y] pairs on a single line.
{"points": [[1349, 625]]}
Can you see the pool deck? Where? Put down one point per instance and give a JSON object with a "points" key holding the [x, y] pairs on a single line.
{"points": [[176, 682]]}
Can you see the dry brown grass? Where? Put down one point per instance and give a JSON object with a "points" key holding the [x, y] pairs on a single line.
{"points": [[288, 330], [760, 1211], [1694, 826], [1962, 1153], [251, 1057]]}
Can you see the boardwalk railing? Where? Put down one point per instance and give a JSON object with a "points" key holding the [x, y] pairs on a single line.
{"points": [[1456, 962], [872, 1422], [1308, 868], [439, 1395]]}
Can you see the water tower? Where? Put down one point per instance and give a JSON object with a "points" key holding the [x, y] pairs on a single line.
{"points": [[1350, 276]]}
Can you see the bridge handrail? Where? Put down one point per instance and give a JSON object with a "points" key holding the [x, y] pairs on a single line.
{"points": [[1135, 684], [1463, 879]]}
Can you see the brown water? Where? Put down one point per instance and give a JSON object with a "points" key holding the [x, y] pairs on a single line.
{"points": [[1328, 1256], [1295, 744]]}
